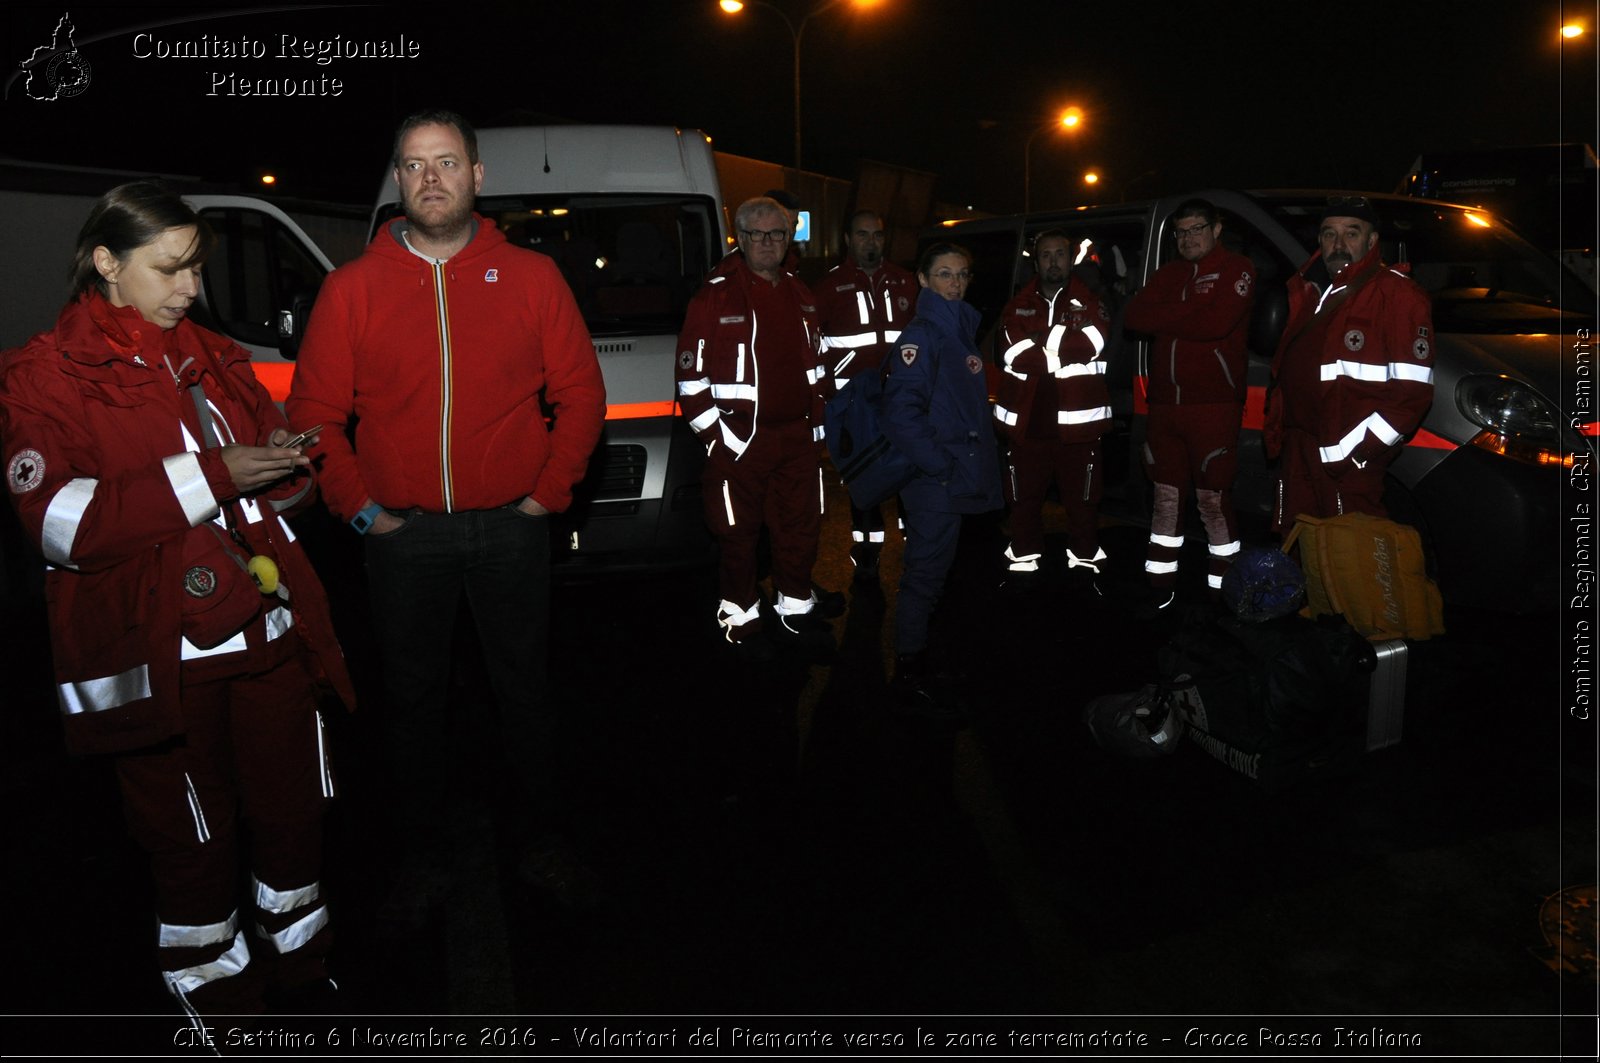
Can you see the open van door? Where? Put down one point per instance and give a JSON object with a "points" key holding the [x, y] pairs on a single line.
{"points": [[259, 282]]}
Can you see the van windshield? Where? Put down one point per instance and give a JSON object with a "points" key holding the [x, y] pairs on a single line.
{"points": [[632, 261], [1483, 277]]}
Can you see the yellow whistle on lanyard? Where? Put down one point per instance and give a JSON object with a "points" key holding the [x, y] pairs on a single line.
{"points": [[264, 571]]}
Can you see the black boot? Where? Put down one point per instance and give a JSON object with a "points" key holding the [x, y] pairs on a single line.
{"points": [[919, 690], [865, 556]]}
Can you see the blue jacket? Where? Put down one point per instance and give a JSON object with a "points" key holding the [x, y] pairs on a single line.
{"points": [[936, 409]]}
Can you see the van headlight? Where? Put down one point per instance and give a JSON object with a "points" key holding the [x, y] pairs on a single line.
{"points": [[1517, 421]]}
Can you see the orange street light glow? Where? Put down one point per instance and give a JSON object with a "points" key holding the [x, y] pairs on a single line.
{"points": [[1571, 29], [268, 179], [732, 7], [1072, 117], [1091, 178]]}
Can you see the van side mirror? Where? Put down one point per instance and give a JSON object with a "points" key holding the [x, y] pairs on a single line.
{"points": [[1268, 318], [291, 323]]}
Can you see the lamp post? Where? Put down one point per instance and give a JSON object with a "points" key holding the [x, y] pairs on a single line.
{"points": [[1069, 120], [796, 32]]}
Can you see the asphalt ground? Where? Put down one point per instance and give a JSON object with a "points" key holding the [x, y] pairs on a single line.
{"points": [[773, 842]]}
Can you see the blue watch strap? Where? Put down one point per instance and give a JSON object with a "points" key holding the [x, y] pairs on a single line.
{"points": [[362, 522]]}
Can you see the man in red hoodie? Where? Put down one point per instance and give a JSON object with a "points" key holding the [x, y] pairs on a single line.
{"points": [[1197, 308], [440, 342]]}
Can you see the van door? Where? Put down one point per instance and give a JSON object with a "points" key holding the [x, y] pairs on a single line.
{"points": [[262, 263]]}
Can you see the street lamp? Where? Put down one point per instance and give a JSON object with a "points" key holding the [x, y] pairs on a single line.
{"points": [[1069, 120], [733, 7]]}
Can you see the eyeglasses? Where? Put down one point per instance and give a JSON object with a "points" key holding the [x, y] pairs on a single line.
{"points": [[1193, 230], [945, 276], [765, 236]]}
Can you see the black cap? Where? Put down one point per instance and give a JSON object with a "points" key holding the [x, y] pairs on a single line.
{"points": [[1351, 207]]}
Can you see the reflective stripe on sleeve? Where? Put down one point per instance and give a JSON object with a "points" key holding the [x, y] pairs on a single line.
{"points": [[1003, 415], [62, 518], [190, 487], [1224, 550], [746, 392], [1072, 369], [1352, 439], [705, 420], [1095, 337], [98, 695], [1160, 567], [1173, 541], [1377, 374]]}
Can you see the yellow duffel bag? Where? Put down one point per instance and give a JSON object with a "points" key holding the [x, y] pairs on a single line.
{"points": [[1371, 571]]}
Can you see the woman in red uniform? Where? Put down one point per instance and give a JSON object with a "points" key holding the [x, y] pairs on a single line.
{"points": [[154, 474]]}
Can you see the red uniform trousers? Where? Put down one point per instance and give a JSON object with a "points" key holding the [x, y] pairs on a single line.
{"points": [[776, 483], [253, 744], [1192, 449], [1075, 467], [1305, 486]]}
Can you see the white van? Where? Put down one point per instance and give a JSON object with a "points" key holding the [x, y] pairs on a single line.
{"points": [[633, 217]]}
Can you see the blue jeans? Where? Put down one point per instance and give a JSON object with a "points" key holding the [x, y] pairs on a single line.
{"points": [[500, 560]]}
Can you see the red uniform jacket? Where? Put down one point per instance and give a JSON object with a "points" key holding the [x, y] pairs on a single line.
{"points": [[720, 355], [446, 368], [1199, 314], [1370, 338], [862, 315], [1061, 340], [119, 496]]}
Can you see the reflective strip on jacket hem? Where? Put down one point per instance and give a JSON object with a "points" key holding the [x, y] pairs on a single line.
{"points": [[98, 695], [1099, 413]]}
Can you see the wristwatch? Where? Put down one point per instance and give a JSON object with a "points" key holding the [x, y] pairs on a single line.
{"points": [[362, 522]]}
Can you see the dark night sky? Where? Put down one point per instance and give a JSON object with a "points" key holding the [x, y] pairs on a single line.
{"points": [[1177, 95]]}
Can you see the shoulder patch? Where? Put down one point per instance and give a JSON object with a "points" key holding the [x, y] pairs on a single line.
{"points": [[685, 359], [1024, 311], [908, 352], [1355, 339], [1242, 285], [25, 471], [903, 303], [733, 319], [845, 287], [974, 364], [1420, 348]]}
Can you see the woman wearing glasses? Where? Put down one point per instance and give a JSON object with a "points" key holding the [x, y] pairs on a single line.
{"points": [[936, 411]]}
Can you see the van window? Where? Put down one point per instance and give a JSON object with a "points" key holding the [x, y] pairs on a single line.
{"points": [[631, 261], [1482, 276], [255, 270]]}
